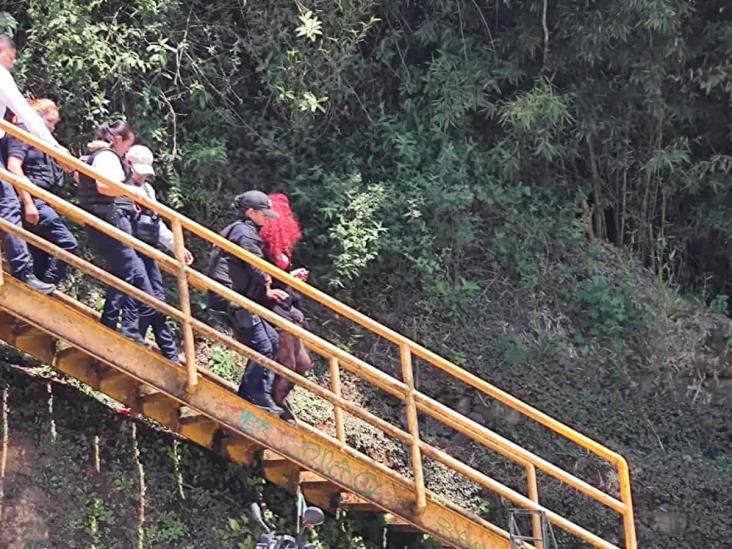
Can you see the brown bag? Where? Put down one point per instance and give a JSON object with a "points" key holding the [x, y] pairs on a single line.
{"points": [[293, 354]]}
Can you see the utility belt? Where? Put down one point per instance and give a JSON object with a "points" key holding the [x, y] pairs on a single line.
{"points": [[46, 186], [114, 211], [146, 226]]}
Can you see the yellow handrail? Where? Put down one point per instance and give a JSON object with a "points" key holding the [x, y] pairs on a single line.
{"points": [[320, 297], [395, 388], [401, 390]]}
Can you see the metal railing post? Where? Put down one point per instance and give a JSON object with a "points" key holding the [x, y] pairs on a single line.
{"points": [[2, 271], [413, 424], [534, 496], [189, 347], [631, 542], [335, 386]]}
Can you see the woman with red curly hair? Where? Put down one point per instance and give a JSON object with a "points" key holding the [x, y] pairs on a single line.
{"points": [[280, 236]]}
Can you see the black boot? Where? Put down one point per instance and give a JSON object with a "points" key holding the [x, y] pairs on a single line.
{"points": [[266, 403], [38, 285]]}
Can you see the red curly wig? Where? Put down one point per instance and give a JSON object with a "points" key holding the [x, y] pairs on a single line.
{"points": [[282, 234]]}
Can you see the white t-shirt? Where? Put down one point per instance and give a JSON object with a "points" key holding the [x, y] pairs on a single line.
{"points": [[11, 98], [108, 164]]}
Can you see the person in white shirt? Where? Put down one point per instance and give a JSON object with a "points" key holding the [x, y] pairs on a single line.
{"points": [[14, 248], [151, 229], [113, 140]]}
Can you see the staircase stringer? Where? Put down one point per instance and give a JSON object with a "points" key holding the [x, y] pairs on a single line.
{"points": [[307, 447]]}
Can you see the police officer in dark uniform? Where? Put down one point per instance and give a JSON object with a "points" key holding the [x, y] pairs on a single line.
{"points": [[114, 140], [232, 272], [39, 217], [151, 229]]}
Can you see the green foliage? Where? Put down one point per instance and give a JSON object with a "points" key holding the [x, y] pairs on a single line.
{"points": [[356, 228], [95, 519], [311, 26], [609, 309], [481, 154], [513, 349], [432, 150], [170, 529], [536, 119], [236, 533], [8, 23], [720, 303], [223, 363]]}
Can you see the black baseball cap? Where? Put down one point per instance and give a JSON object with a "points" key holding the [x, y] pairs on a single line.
{"points": [[256, 200]]}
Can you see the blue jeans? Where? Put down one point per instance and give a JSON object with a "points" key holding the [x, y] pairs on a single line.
{"points": [[50, 227], [14, 248], [124, 262], [258, 335], [161, 330]]}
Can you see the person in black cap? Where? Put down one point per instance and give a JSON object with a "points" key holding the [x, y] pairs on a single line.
{"points": [[254, 332]]}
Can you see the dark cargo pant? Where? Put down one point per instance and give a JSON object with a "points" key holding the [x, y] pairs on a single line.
{"points": [[52, 228], [15, 249], [124, 262], [258, 335]]}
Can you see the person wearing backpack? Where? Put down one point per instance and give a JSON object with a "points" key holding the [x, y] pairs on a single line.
{"points": [[151, 229], [255, 209], [39, 217]]}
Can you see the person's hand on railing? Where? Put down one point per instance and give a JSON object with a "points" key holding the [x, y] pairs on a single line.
{"points": [[188, 257], [301, 274]]}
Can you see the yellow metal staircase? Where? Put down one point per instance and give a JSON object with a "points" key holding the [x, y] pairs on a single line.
{"points": [[193, 402]]}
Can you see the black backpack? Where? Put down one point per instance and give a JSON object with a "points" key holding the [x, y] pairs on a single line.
{"points": [[214, 257], [215, 301]]}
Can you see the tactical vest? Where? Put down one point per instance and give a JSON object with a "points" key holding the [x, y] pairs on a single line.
{"points": [[47, 175], [92, 200], [42, 170]]}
